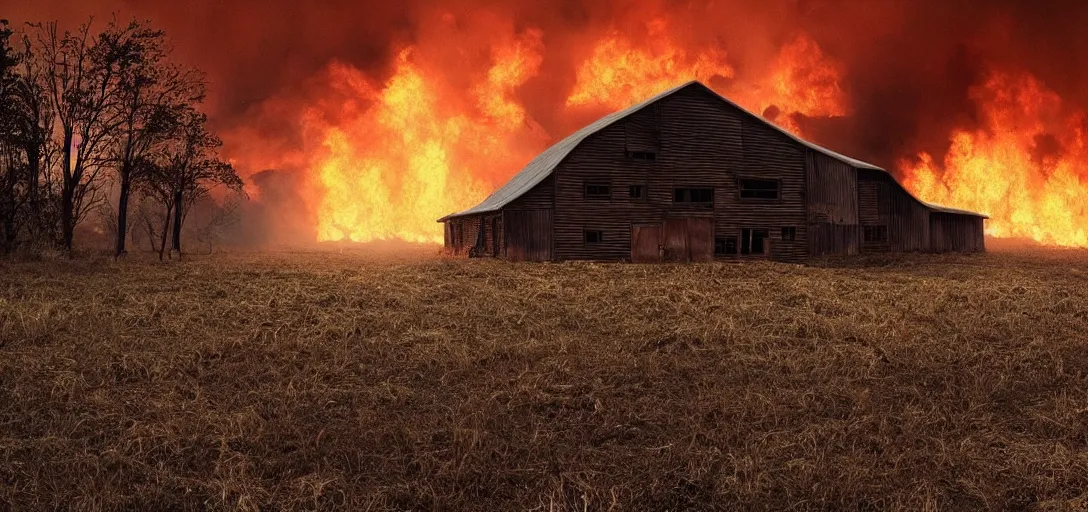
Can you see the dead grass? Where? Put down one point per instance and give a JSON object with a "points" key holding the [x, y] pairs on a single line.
{"points": [[337, 380]]}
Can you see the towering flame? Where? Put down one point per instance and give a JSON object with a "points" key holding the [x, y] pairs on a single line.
{"points": [[415, 153], [619, 73], [800, 81], [1026, 166]]}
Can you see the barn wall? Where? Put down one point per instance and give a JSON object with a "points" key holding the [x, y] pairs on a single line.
{"points": [[461, 234], [950, 232], [883, 202], [832, 205], [700, 142]]}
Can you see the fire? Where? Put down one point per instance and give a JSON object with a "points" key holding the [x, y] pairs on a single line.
{"points": [[403, 153], [801, 79], [1025, 166], [411, 154], [619, 74]]}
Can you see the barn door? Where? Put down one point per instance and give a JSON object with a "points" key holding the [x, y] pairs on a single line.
{"points": [[688, 239], [676, 239], [528, 235], [700, 239], [646, 244]]}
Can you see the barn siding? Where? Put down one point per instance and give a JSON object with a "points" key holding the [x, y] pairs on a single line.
{"points": [[956, 233], [701, 142], [883, 202], [832, 205]]}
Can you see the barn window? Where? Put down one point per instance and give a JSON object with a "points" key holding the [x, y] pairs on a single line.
{"points": [[753, 241], [593, 237], [644, 156], [758, 189], [789, 233], [636, 191], [598, 191], [725, 246], [875, 234], [693, 195]]}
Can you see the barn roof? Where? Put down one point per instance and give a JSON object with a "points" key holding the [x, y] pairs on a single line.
{"points": [[545, 163]]}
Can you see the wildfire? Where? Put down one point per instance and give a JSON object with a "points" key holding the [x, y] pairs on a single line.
{"points": [[800, 80], [1025, 166], [618, 73], [385, 159], [413, 154]]}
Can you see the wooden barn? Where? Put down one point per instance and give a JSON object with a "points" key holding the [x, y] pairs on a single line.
{"points": [[690, 176]]}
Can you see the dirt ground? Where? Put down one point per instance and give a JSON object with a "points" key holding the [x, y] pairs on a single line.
{"points": [[345, 379]]}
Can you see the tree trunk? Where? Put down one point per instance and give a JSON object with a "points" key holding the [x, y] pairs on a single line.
{"points": [[165, 230], [34, 219], [178, 206], [67, 216], [122, 209], [67, 199]]}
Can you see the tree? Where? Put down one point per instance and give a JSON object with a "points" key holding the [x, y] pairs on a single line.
{"points": [[80, 79], [151, 94], [186, 170], [10, 157]]}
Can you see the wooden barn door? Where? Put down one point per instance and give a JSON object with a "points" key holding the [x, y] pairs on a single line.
{"points": [[700, 239], [528, 235], [676, 239], [688, 239], [646, 244]]}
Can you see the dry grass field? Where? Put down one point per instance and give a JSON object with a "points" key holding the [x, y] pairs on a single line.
{"points": [[343, 380]]}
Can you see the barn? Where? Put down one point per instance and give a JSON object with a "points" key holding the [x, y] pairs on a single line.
{"points": [[690, 176]]}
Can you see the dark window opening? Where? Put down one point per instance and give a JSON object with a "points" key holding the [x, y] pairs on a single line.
{"points": [[645, 156], [758, 189], [635, 191], [875, 234], [725, 246], [593, 237], [789, 233], [752, 241], [598, 191], [693, 195]]}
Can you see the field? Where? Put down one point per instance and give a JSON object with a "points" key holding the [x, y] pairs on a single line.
{"points": [[361, 381]]}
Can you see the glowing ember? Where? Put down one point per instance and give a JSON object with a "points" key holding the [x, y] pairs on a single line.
{"points": [[1025, 167]]}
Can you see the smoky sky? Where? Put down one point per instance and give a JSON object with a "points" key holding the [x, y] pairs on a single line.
{"points": [[907, 65]]}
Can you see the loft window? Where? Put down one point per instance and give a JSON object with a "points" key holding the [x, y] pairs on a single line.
{"points": [[645, 156], [758, 189], [875, 234], [725, 246], [593, 237], [752, 241], [789, 233], [598, 191], [693, 195], [636, 191]]}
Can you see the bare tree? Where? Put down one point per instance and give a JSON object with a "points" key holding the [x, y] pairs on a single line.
{"points": [[151, 94], [10, 156], [193, 168], [80, 78]]}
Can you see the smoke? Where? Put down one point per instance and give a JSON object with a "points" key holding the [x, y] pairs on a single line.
{"points": [[907, 68]]}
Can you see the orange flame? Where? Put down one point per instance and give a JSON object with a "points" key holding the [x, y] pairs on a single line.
{"points": [[392, 168], [1026, 167], [619, 74], [800, 81]]}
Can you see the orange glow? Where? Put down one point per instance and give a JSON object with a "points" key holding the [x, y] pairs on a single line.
{"points": [[800, 80], [412, 154], [619, 74], [1025, 166]]}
